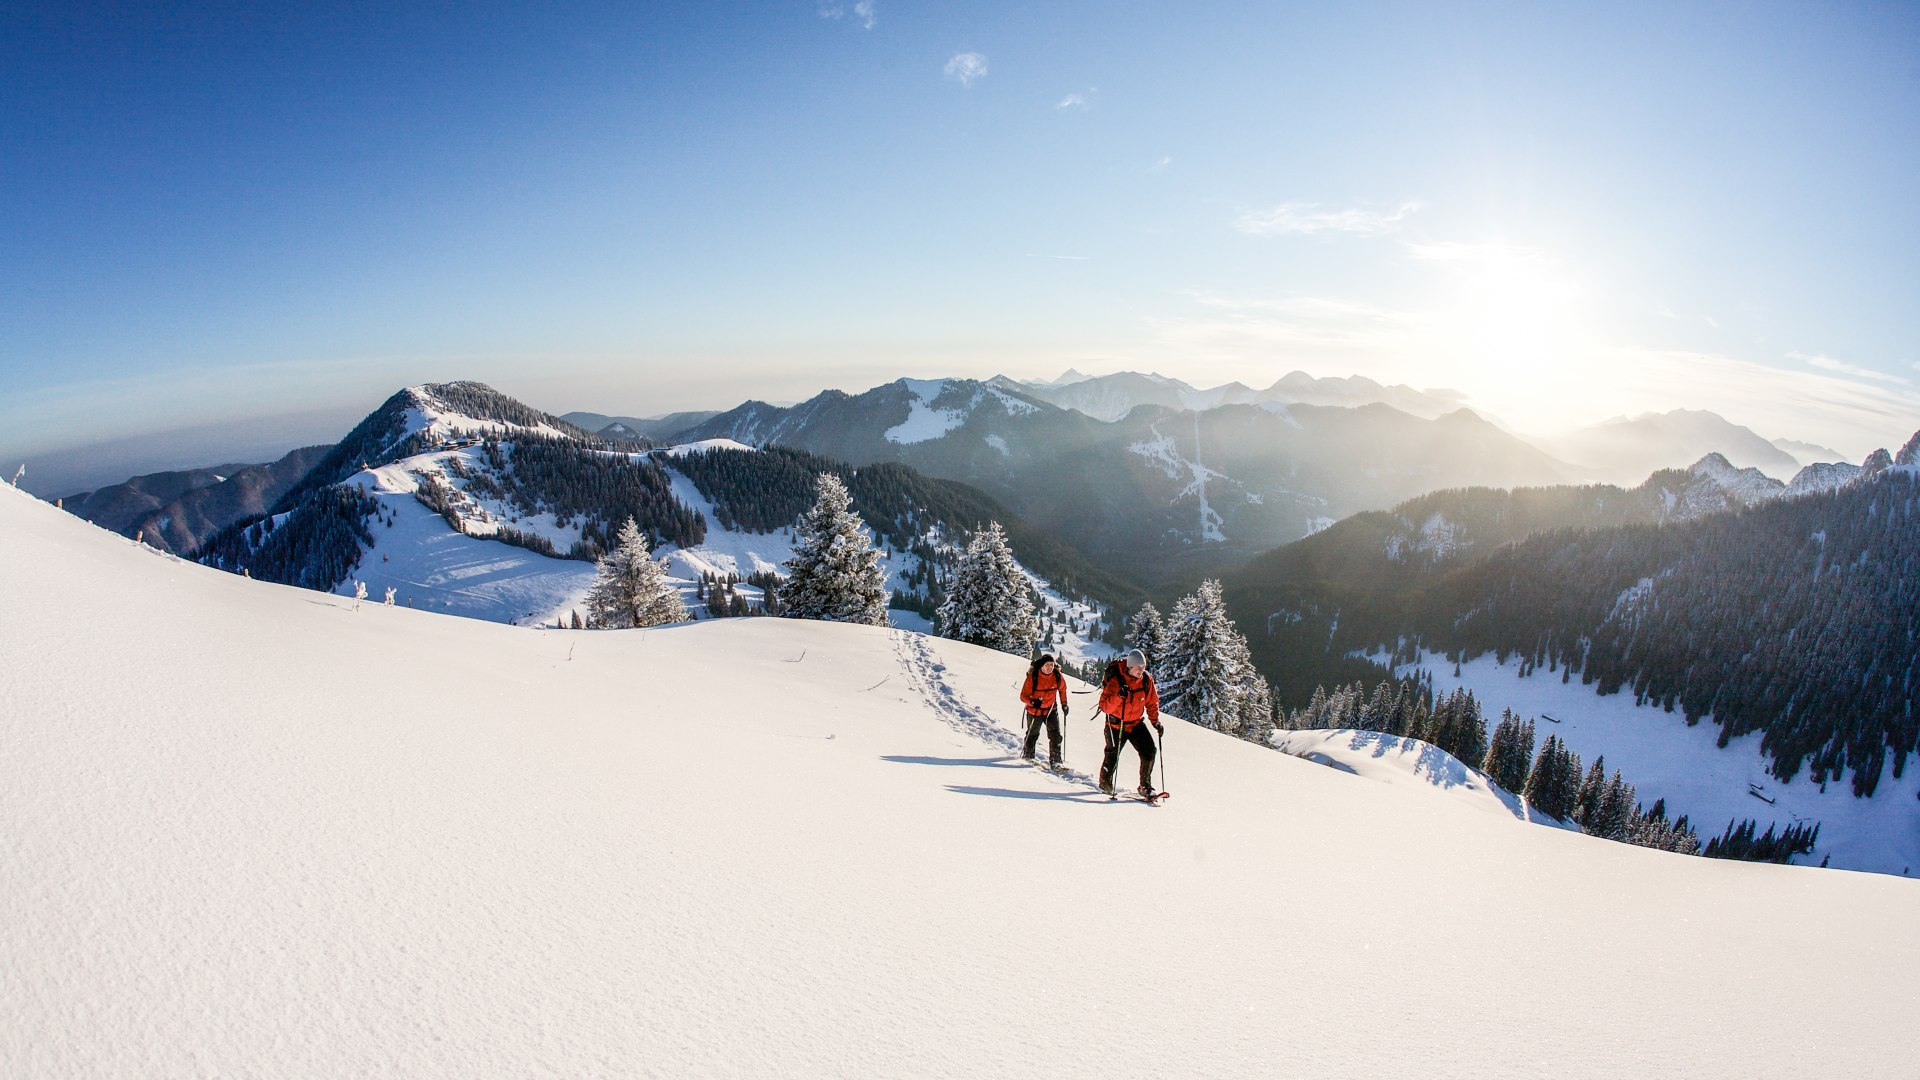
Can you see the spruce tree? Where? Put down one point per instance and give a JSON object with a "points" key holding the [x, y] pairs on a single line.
{"points": [[1613, 815], [1207, 672], [1148, 633], [835, 573], [1553, 786], [989, 602], [1591, 790], [631, 589], [1256, 711]]}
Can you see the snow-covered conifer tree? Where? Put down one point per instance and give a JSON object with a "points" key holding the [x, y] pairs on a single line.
{"points": [[835, 572], [1207, 671], [1148, 633], [1315, 713], [632, 589], [988, 602], [1256, 710]]}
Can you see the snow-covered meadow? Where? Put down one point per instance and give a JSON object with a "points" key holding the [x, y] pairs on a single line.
{"points": [[254, 830]]}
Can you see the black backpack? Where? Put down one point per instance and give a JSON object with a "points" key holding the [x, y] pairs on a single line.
{"points": [[1116, 674]]}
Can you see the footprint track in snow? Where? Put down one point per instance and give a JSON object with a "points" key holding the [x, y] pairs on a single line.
{"points": [[927, 675]]}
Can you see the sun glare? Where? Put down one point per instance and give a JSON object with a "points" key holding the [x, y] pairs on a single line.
{"points": [[1517, 322]]}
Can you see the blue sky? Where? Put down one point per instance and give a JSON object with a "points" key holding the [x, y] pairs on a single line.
{"points": [[216, 214]]}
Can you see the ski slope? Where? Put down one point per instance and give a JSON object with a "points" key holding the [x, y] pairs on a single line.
{"points": [[250, 830]]}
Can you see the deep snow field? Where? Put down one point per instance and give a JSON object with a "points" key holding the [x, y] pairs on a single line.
{"points": [[250, 830]]}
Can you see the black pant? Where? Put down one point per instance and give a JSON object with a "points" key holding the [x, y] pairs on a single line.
{"points": [[1142, 744], [1051, 718]]}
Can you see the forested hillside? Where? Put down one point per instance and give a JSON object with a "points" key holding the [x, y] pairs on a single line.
{"points": [[765, 490], [1796, 617], [494, 469]]}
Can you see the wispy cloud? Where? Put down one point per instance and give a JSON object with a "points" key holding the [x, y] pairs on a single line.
{"points": [[863, 12], [1161, 165], [1306, 219], [1828, 363], [1076, 102], [1455, 251], [1307, 325], [966, 67]]}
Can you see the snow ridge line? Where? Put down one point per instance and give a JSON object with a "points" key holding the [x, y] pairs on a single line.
{"points": [[927, 675]]}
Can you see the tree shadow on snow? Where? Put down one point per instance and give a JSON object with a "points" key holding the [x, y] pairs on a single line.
{"points": [[981, 763], [1432, 764], [1319, 758]]}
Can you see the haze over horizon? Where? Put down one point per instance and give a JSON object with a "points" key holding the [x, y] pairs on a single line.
{"points": [[231, 218]]}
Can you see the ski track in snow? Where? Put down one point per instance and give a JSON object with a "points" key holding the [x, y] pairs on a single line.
{"points": [[926, 674]]}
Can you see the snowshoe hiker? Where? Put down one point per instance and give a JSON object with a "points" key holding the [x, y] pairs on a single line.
{"points": [[1127, 696], [1045, 696]]}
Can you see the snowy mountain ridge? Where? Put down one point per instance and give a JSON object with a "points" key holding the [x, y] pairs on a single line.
{"points": [[490, 872], [485, 509], [1717, 485]]}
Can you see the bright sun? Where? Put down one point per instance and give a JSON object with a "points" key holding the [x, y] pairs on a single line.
{"points": [[1516, 321]]}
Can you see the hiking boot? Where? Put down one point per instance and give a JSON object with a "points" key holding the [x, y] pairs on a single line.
{"points": [[1147, 792]]}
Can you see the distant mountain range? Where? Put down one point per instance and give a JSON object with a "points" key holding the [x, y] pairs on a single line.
{"points": [[178, 511], [1626, 451], [638, 427], [1162, 479], [1111, 397], [1160, 492], [1619, 451]]}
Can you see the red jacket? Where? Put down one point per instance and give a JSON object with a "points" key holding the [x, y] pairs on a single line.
{"points": [[1042, 691], [1125, 698]]}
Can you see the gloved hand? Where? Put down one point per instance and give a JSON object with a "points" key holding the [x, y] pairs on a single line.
{"points": [[1159, 728]]}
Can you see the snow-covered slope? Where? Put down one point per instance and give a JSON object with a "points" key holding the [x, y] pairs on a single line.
{"points": [[1396, 759], [1665, 759], [431, 567], [376, 842]]}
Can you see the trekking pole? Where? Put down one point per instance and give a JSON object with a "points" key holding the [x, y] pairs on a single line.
{"points": [[1162, 732]]}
